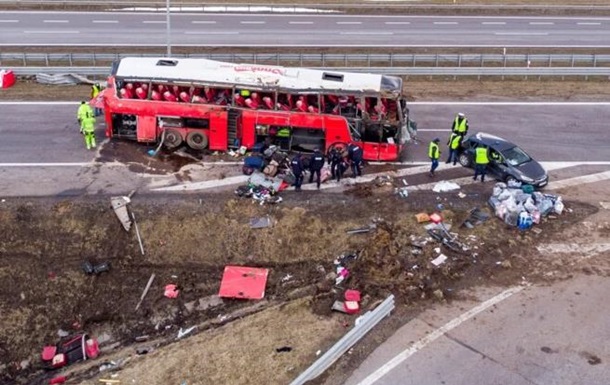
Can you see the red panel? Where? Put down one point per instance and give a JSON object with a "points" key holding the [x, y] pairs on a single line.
{"points": [[147, 129], [218, 136], [243, 282]]}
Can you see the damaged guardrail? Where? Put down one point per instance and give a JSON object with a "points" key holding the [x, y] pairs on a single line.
{"points": [[397, 71], [363, 325]]}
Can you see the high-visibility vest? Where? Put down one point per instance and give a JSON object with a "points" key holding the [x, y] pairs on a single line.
{"points": [[83, 110], [433, 151], [455, 141], [459, 126], [89, 124], [245, 93], [283, 132], [481, 155], [94, 91]]}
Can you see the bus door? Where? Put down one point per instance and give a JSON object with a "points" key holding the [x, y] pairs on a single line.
{"points": [[219, 133]]}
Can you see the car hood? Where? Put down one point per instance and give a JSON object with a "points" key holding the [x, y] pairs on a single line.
{"points": [[532, 169]]}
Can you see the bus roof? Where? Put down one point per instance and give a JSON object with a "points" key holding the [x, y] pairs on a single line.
{"points": [[255, 75]]}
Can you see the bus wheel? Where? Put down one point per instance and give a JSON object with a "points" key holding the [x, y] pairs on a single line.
{"points": [[341, 147], [172, 139], [197, 140]]}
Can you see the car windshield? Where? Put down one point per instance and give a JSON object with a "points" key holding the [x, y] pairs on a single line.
{"points": [[515, 156]]}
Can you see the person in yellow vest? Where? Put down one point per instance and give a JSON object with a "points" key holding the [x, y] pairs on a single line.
{"points": [[460, 124], [89, 131], [434, 153], [95, 91], [454, 143], [481, 160], [82, 112]]}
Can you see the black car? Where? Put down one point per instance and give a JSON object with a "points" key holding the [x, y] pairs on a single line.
{"points": [[507, 161]]}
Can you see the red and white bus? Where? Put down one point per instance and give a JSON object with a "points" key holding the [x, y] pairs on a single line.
{"points": [[215, 105]]}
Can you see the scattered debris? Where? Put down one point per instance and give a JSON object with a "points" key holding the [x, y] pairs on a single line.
{"points": [[171, 291], [284, 349], [261, 223], [475, 218], [143, 350], [287, 278], [243, 282], [58, 380], [119, 205], [108, 365], [445, 186], [383, 180], [422, 217], [182, 333], [361, 230], [402, 192], [150, 281], [461, 195], [439, 260], [89, 268], [62, 333], [605, 205], [78, 347], [142, 338]]}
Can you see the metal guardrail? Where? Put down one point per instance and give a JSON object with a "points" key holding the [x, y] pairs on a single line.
{"points": [[363, 325], [323, 59], [397, 71]]}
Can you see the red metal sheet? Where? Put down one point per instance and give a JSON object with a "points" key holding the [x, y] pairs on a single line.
{"points": [[243, 282]]}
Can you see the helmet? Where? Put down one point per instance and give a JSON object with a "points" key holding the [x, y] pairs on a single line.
{"points": [[83, 102], [461, 114], [436, 140]]}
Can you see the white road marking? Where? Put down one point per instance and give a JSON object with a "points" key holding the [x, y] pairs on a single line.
{"points": [[541, 23], [432, 130], [55, 21], [211, 33], [300, 22], [588, 23], [397, 22], [349, 22], [431, 337], [9, 21], [493, 23], [445, 22], [203, 22], [521, 33], [592, 178], [252, 22], [48, 32], [105, 21], [153, 22], [515, 103], [366, 33]]}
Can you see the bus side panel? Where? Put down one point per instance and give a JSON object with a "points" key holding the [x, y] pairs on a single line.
{"points": [[370, 150], [389, 152], [147, 129], [252, 118], [337, 130], [218, 131]]}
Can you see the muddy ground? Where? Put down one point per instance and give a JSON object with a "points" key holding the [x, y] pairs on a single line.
{"points": [[188, 240]]}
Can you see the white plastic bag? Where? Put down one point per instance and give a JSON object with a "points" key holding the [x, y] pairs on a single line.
{"points": [[559, 206]]}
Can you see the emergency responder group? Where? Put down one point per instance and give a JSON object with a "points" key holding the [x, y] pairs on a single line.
{"points": [[338, 160], [459, 130]]}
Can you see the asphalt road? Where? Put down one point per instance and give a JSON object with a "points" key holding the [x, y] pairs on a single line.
{"points": [[48, 133], [149, 29], [542, 335]]}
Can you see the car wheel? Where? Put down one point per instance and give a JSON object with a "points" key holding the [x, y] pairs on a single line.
{"points": [[172, 139], [197, 140], [464, 160]]}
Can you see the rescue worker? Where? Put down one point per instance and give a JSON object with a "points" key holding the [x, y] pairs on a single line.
{"points": [[82, 112], [337, 164], [316, 164], [454, 143], [89, 130], [95, 91], [434, 153], [297, 169], [481, 160], [354, 154], [460, 125]]}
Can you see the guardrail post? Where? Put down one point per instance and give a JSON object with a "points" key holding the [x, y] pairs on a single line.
{"points": [[94, 61], [368, 59], [70, 59], [46, 59], [594, 60], [391, 60], [436, 60]]}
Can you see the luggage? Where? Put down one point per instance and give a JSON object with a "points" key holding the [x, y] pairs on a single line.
{"points": [[255, 162]]}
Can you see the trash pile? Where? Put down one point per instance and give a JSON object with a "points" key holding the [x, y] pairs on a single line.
{"points": [[522, 207], [262, 188], [271, 162]]}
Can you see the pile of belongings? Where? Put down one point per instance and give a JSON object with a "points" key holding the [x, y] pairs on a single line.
{"points": [[271, 162], [519, 206], [262, 188]]}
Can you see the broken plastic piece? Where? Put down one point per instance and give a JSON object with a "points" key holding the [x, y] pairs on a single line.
{"points": [[171, 291], [439, 260], [119, 205], [243, 282], [182, 333]]}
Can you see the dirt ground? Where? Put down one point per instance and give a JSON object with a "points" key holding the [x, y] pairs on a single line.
{"points": [[188, 240]]}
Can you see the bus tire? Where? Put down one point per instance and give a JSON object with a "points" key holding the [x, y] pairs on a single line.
{"points": [[172, 139], [197, 140]]}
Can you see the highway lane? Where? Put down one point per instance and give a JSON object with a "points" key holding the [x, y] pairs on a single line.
{"points": [[149, 29], [39, 132]]}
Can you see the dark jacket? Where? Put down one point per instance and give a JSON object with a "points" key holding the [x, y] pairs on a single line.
{"points": [[297, 165], [317, 161]]}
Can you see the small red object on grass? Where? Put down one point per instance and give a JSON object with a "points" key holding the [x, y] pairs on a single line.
{"points": [[436, 218], [171, 291]]}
